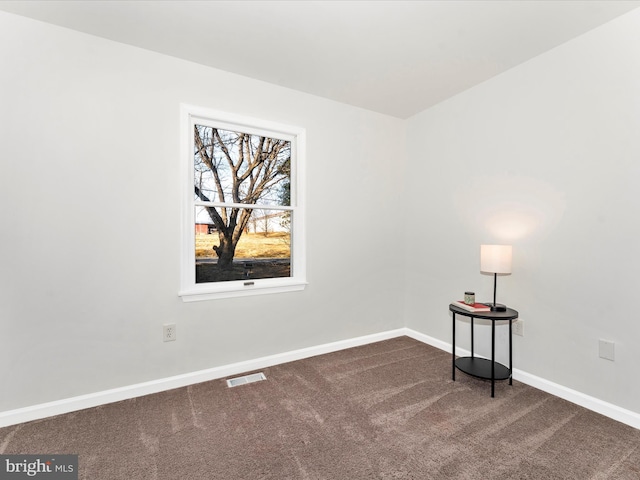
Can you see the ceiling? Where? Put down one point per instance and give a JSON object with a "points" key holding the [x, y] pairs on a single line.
{"points": [[392, 57]]}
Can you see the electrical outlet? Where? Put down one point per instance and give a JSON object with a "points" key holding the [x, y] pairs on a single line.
{"points": [[517, 328], [169, 332], [607, 349]]}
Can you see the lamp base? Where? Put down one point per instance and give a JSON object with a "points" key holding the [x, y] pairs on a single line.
{"points": [[497, 307]]}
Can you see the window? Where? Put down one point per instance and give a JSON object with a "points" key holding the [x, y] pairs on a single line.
{"points": [[243, 215]]}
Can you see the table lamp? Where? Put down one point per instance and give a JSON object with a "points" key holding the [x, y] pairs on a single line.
{"points": [[495, 259]]}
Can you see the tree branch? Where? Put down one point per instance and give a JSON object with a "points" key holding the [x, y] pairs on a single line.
{"points": [[213, 213]]}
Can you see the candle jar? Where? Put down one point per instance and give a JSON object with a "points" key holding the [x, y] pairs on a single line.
{"points": [[469, 298]]}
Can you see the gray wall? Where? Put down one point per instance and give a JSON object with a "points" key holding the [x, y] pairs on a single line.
{"points": [[545, 157], [90, 209]]}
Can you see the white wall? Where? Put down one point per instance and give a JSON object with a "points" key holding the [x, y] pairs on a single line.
{"points": [[545, 157], [89, 209]]}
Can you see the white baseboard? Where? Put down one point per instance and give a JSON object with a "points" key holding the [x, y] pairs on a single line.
{"points": [[595, 404], [67, 405], [599, 406], [36, 412]]}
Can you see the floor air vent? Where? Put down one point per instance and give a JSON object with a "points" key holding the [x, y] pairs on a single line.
{"points": [[254, 377]]}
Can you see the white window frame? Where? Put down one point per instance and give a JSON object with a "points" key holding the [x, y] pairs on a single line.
{"points": [[189, 289]]}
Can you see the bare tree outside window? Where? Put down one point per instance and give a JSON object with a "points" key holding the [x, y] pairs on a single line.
{"points": [[240, 178]]}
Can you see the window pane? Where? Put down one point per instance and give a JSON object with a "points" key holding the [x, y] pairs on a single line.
{"points": [[236, 167], [241, 244], [244, 180]]}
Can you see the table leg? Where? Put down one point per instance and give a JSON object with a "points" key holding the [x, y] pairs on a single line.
{"points": [[453, 349], [510, 356], [472, 342], [493, 357]]}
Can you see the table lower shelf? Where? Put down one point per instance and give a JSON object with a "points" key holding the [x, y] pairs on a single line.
{"points": [[481, 368]]}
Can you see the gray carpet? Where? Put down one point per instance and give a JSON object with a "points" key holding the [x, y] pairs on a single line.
{"points": [[388, 410]]}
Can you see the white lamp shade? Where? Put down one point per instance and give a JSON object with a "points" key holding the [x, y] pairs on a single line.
{"points": [[495, 258]]}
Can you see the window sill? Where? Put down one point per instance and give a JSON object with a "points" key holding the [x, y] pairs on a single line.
{"points": [[198, 293]]}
